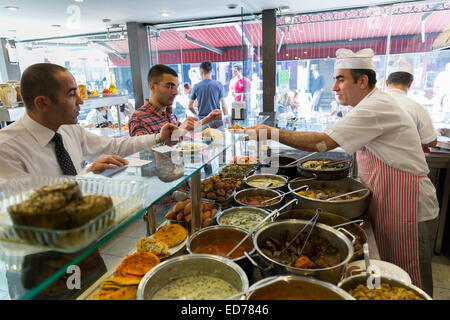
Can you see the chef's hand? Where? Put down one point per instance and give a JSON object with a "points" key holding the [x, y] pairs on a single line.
{"points": [[216, 114], [189, 124], [254, 132], [106, 162], [166, 132]]}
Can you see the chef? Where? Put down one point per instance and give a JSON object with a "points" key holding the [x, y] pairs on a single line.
{"points": [[399, 81], [403, 209]]}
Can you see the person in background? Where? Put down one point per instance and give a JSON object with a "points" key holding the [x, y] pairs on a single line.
{"points": [[47, 140], [398, 83], [317, 85], [208, 93], [101, 117], [403, 210], [243, 85], [149, 119]]}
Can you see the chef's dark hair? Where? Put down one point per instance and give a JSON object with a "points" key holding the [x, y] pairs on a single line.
{"points": [[402, 78], [39, 80], [206, 66], [156, 72], [237, 66], [371, 74]]}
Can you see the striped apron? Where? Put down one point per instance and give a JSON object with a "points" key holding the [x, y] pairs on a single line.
{"points": [[393, 212]]}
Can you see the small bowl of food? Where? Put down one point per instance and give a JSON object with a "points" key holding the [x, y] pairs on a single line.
{"points": [[319, 168], [257, 197], [244, 217], [383, 288]]}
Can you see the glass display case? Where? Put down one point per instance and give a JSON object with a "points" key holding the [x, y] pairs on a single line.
{"points": [[30, 271]]}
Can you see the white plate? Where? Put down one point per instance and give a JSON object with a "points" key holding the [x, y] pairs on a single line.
{"points": [[185, 147], [386, 269]]}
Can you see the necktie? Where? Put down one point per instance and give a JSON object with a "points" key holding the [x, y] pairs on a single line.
{"points": [[63, 156]]}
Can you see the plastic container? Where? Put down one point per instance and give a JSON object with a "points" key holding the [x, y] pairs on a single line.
{"points": [[127, 196]]}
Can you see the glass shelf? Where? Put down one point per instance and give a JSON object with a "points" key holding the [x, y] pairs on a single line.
{"points": [[29, 271]]}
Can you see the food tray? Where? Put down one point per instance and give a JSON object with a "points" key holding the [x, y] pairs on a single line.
{"points": [[127, 196]]}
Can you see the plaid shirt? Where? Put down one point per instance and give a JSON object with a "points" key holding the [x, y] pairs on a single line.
{"points": [[149, 119]]}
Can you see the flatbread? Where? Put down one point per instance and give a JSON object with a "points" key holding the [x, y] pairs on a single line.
{"points": [[125, 293], [154, 246], [172, 234], [136, 265]]}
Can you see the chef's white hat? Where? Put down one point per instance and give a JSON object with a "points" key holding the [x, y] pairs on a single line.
{"points": [[401, 65], [347, 59]]}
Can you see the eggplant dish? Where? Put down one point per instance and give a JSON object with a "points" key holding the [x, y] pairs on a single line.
{"points": [[318, 165], [318, 252]]}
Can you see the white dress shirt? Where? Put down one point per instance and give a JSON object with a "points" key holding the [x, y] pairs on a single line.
{"points": [[382, 126], [25, 147], [419, 114]]}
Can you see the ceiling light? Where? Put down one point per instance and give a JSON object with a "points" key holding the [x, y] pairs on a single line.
{"points": [[12, 8], [56, 25], [12, 30], [78, 0], [300, 31], [232, 6], [164, 14], [305, 52], [106, 20], [284, 8], [350, 39], [287, 54], [350, 28]]}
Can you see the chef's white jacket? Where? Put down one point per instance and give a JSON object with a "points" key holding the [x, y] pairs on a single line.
{"points": [[382, 126], [418, 113]]}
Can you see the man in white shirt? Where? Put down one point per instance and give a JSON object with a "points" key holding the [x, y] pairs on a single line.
{"points": [[53, 102], [398, 83], [403, 209]]}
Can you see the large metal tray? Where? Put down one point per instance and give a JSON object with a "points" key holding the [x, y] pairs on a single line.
{"points": [[127, 196]]}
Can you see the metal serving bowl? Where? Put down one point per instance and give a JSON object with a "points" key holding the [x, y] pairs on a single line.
{"points": [[278, 230], [212, 234], [330, 219], [284, 169], [332, 174], [238, 197], [239, 211], [282, 179], [297, 288], [191, 265], [352, 282], [349, 209]]}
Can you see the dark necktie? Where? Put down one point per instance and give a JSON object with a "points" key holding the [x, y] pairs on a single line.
{"points": [[63, 156]]}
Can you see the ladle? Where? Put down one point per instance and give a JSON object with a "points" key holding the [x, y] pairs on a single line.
{"points": [[305, 157], [346, 194], [283, 194]]}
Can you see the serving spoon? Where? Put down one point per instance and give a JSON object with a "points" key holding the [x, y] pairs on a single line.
{"points": [[346, 194]]}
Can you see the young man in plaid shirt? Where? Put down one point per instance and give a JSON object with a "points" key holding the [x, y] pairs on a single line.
{"points": [[152, 116]]}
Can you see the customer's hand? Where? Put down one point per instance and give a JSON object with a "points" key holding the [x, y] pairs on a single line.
{"points": [[216, 114], [166, 132], [106, 162], [189, 124]]}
